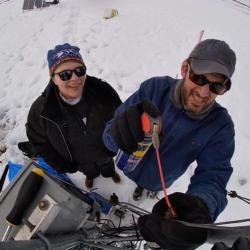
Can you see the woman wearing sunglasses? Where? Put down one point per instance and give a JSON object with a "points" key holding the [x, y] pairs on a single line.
{"points": [[196, 130], [65, 124]]}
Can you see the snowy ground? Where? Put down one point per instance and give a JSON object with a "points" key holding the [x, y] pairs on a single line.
{"points": [[148, 38]]}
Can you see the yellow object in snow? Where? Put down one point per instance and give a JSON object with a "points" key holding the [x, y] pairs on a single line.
{"points": [[109, 13]]}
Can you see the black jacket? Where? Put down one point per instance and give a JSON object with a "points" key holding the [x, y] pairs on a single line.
{"points": [[69, 137]]}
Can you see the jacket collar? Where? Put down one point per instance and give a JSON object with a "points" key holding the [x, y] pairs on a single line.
{"points": [[53, 108]]}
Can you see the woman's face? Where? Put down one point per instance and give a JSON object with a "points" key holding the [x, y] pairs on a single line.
{"points": [[73, 87]]}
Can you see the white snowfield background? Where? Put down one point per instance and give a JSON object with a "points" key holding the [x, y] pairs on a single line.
{"points": [[147, 38]]}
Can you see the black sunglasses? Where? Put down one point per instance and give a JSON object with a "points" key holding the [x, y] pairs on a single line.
{"points": [[218, 88], [66, 75]]}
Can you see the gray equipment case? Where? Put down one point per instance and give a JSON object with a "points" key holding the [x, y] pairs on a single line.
{"points": [[56, 208]]}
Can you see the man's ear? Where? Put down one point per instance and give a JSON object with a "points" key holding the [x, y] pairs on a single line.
{"points": [[184, 68]]}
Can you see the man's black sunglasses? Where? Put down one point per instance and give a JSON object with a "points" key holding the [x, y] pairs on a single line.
{"points": [[66, 75], [218, 88]]}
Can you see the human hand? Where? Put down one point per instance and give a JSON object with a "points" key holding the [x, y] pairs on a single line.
{"points": [[72, 169], [170, 234], [241, 243], [126, 129], [27, 149], [187, 207]]}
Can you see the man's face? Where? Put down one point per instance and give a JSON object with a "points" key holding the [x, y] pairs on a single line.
{"points": [[197, 98], [73, 87]]}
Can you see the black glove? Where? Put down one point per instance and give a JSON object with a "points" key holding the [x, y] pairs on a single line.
{"points": [[27, 148], [72, 169], [126, 129], [241, 243], [170, 234], [187, 207], [106, 166]]}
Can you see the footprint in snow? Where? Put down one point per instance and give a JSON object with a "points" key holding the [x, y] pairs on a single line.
{"points": [[242, 181]]}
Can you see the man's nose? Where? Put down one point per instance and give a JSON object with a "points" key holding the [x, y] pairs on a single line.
{"points": [[204, 90]]}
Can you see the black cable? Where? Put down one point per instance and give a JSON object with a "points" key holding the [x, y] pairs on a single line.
{"points": [[120, 221], [45, 240]]}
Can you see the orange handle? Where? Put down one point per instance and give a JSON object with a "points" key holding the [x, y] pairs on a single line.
{"points": [[146, 123]]}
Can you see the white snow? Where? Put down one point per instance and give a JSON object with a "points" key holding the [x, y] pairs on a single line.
{"points": [[147, 38]]}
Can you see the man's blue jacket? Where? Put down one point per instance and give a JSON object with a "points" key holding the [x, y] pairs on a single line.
{"points": [[208, 141]]}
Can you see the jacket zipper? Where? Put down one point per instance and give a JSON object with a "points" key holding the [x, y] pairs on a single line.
{"points": [[60, 133]]}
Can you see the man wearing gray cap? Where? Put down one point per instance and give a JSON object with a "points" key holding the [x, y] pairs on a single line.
{"points": [[195, 129]]}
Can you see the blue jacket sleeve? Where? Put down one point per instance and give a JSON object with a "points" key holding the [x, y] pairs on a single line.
{"points": [[214, 170]]}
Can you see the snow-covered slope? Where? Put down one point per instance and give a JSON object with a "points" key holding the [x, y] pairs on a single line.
{"points": [[146, 39]]}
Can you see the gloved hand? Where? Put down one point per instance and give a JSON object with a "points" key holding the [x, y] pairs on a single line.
{"points": [[187, 207], [241, 243], [106, 166], [72, 169], [27, 149], [172, 234], [126, 129]]}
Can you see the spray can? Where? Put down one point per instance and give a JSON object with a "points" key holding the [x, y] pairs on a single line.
{"points": [[128, 162]]}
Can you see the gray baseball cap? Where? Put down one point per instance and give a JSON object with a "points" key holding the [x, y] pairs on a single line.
{"points": [[213, 56]]}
